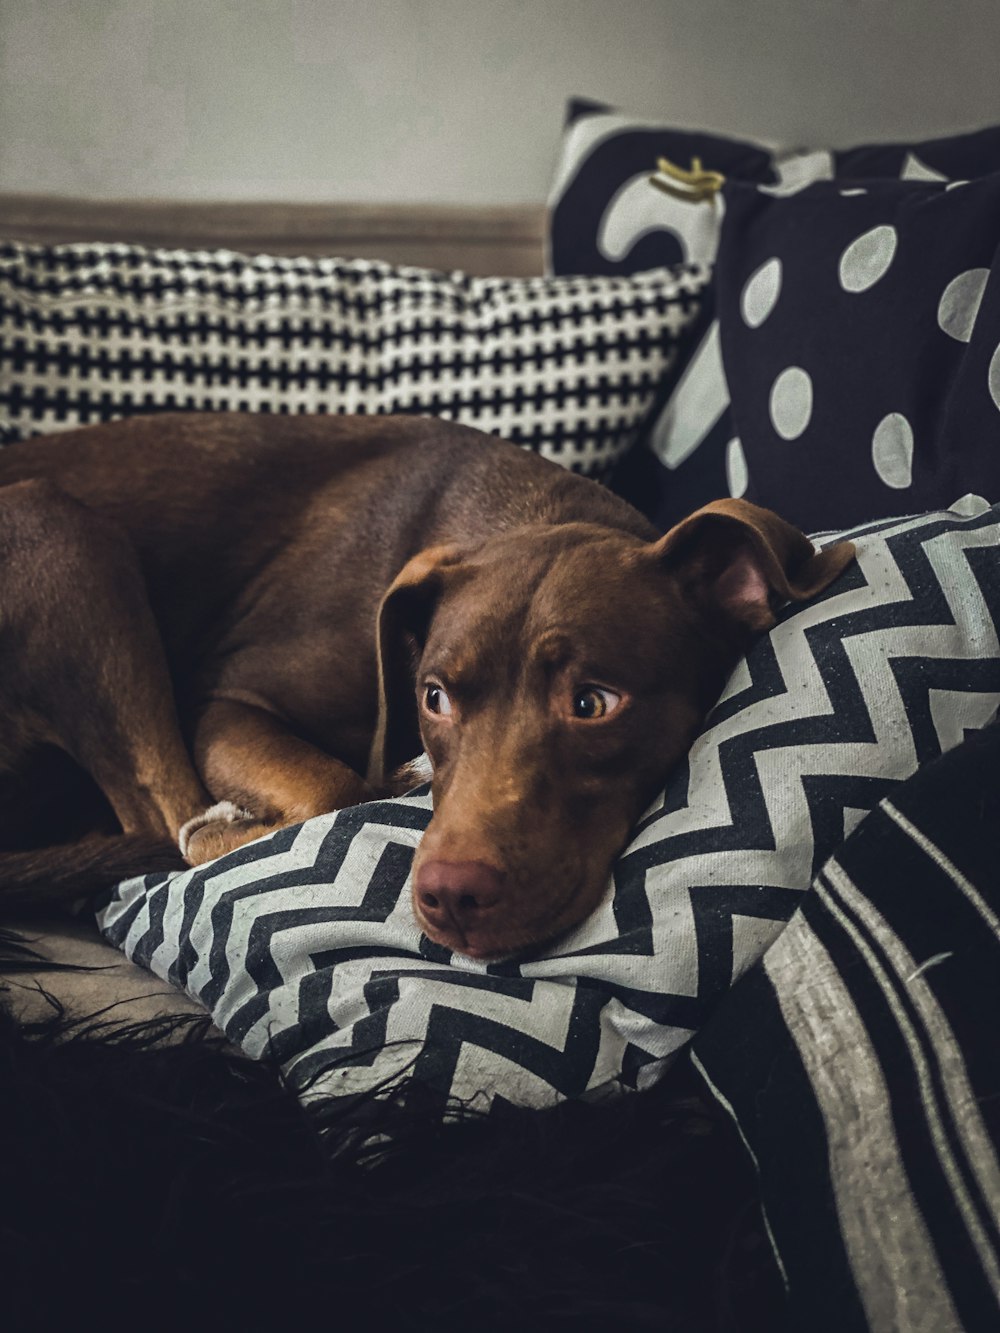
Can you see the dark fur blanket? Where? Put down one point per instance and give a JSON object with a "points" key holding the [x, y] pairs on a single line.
{"points": [[150, 1175]]}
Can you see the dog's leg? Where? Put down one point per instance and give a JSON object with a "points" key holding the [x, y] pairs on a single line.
{"points": [[263, 776], [83, 665]]}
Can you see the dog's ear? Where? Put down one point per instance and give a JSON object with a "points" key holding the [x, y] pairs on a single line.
{"points": [[403, 617], [743, 562]]}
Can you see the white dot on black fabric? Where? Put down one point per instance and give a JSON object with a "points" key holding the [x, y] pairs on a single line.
{"points": [[761, 293], [791, 402], [867, 259], [971, 505], [916, 170], [994, 378], [960, 302], [737, 476], [797, 171], [892, 451]]}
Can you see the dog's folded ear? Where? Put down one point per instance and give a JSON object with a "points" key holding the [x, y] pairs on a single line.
{"points": [[742, 562], [403, 616]]}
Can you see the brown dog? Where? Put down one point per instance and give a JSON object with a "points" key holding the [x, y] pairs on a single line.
{"points": [[303, 604]]}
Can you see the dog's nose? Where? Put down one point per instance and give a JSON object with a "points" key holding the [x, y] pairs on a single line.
{"points": [[455, 895]]}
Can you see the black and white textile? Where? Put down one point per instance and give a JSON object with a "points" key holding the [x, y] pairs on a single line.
{"points": [[860, 334], [605, 217], [304, 942], [566, 366], [860, 1061]]}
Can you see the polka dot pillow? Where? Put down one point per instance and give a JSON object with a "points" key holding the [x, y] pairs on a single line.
{"points": [[860, 337], [606, 218]]}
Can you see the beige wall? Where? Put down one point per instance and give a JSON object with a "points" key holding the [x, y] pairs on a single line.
{"points": [[451, 100]]}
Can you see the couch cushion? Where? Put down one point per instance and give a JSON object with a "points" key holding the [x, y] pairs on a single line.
{"points": [[860, 334], [566, 366], [605, 217]]}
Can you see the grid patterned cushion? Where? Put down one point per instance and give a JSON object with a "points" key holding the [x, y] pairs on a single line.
{"points": [[304, 942], [606, 218], [566, 366]]}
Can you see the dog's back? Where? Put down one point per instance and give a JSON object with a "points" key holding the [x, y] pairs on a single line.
{"points": [[295, 516], [228, 478]]}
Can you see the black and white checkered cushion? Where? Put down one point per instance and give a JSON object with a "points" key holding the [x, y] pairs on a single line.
{"points": [[565, 366], [304, 942]]}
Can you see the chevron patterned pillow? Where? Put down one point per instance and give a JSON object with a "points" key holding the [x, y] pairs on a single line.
{"points": [[566, 366], [303, 943]]}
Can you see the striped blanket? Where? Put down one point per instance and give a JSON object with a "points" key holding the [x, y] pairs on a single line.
{"points": [[860, 1060]]}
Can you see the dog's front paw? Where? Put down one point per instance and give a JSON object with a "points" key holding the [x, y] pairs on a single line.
{"points": [[219, 829]]}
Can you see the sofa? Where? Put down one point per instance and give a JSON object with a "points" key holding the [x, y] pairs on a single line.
{"points": [[776, 1016]]}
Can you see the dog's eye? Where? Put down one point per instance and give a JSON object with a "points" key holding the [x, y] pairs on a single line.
{"points": [[436, 700], [590, 702]]}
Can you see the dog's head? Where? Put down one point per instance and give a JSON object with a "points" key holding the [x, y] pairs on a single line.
{"points": [[558, 673]]}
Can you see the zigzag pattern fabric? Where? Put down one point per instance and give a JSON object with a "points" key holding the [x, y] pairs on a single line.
{"points": [[304, 944], [568, 367]]}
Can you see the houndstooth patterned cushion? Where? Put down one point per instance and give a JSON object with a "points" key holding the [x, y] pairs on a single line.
{"points": [[304, 942], [567, 366]]}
